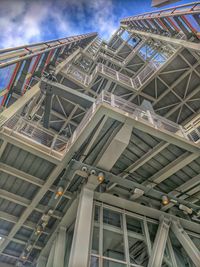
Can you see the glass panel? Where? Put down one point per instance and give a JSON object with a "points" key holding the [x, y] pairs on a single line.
{"points": [[96, 213], [113, 244], [20, 71], [109, 263], [112, 218], [95, 240], [94, 262], [5, 76], [152, 230], [133, 224]]}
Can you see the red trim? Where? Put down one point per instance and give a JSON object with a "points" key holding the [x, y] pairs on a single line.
{"points": [[173, 24], [163, 25], [189, 25]]}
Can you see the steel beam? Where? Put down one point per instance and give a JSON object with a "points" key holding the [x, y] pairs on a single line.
{"points": [[159, 245], [116, 147], [186, 242], [79, 255], [66, 92], [42, 262], [59, 253], [193, 182], [171, 253], [143, 210], [51, 256], [170, 169], [144, 159], [171, 40], [47, 109]]}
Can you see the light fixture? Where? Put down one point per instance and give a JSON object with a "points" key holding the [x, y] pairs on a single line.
{"points": [[185, 209], [39, 230], [24, 256], [59, 192], [165, 200], [101, 177]]}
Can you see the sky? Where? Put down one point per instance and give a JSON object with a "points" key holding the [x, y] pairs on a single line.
{"points": [[31, 21]]}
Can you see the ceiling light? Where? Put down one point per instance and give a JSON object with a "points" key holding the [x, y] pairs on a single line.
{"points": [[101, 177], [59, 192], [38, 230], [165, 200]]}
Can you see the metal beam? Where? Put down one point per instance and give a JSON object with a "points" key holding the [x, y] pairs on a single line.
{"points": [[159, 245], [47, 109], [182, 189], [66, 92], [51, 256], [171, 40], [79, 255], [145, 158], [143, 210], [28, 178], [59, 253], [171, 253], [186, 242], [116, 147], [42, 262], [170, 169]]}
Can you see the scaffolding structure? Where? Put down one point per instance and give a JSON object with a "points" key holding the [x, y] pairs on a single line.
{"points": [[100, 147]]}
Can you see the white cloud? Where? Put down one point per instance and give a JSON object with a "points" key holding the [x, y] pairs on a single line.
{"points": [[23, 22]]}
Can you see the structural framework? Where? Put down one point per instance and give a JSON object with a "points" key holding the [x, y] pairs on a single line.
{"points": [[100, 150]]}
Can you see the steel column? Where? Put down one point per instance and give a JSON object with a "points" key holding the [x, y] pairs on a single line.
{"points": [[186, 242], [59, 254], [81, 241], [51, 256], [159, 245], [42, 262]]}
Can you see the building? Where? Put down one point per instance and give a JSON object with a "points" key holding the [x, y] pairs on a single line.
{"points": [[100, 151]]}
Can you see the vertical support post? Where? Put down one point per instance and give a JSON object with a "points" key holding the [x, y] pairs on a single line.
{"points": [[41, 262], [126, 243], [60, 243], [159, 245], [186, 242], [51, 256], [81, 241], [171, 253], [147, 236], [101, 236]]}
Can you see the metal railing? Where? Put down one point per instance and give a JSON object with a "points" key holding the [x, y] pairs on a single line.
{"points": [[132, 110], [41, 136], [133, 83], [35, 133]]}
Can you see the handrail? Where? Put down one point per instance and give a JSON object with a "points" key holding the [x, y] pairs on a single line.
{"points": [[43, 137], [174, 11]]}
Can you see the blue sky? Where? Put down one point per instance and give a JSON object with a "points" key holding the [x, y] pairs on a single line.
{"points": [[28, 21]]}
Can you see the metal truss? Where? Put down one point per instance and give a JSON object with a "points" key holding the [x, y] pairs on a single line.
{"points": [[97, 116]]}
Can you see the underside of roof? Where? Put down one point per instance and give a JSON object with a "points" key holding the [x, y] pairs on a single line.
{"points": [[124, 113]]}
